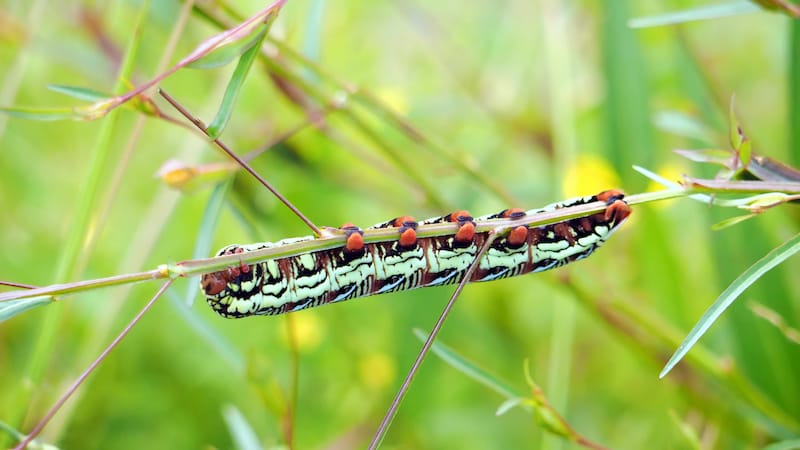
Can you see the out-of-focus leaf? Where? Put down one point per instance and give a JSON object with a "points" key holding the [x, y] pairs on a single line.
{"points": [[689, 15], [43, 114], [771, 316], [721, 225], [189, 178], [791, 444], [707, 155], [551, 421], [33, 445], [11, 308], [468, 368], [511, 403], [753, 273], [205, 235], [739, 141], [681, 124], [734, 128], [81, 93], [745, 151], [217, 125], [244, 437], [229, 50], [686, 431], [224, 47], [760, 203]]}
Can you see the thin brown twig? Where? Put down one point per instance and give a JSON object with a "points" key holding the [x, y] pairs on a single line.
{"points": [[423, 352], [201, 126], [78, 381], [17, 285]]}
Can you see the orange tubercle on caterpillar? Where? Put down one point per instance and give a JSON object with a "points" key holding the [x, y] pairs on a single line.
{"points": [[408, 237], [404, 221], [518, 236], [355, 237], [465, 232], [610, 196], [460, 216], [513, 213], [618, 211]]}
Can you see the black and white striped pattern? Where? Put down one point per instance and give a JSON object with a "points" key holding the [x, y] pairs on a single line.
{"points": [[306, 280]]}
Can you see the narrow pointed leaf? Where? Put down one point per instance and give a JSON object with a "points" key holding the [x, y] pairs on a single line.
{"points": [[510, 404], [707, 155], [694, 14], [227, 51], [466, 367], [43, 114], [14, 307], [731, 222], [243, 435], [682, 124], [81, 93], [217, 125], [775, 319], [791, 444], [208, 224], [753, 273], [745, 151], [734, 128], [224, 47]]}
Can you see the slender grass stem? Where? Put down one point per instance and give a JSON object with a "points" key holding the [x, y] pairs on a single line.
{"points": [[78, 381], [242, 163], [423, 352]]}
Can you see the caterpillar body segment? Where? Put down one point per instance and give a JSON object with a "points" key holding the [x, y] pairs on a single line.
{"points": [[360, 269]]}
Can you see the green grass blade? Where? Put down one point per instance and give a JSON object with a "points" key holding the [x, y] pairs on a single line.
{"points": [[627, 126], [43, 114], [791, 334], [753, 273], [33, 445], [79, 237], [791, 444], [793, 86], [214, 338], [226, 53], [466, 367], [81, 93], [235, 85], [243, 434], [14, 307], [691, 15], [222, 48], [208, 224], [682, 124]]}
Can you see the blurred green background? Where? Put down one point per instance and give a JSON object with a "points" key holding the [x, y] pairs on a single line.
{"points": [[523, 102]]}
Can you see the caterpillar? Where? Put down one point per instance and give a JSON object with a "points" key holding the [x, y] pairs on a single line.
{"points": [[359, 269]]}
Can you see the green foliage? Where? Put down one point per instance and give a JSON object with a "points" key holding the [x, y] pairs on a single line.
{"points": [[363, 112]]}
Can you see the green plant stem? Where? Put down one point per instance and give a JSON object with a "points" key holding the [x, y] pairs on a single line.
{"points": [[333, 238], [668, 337], [81, 235]]}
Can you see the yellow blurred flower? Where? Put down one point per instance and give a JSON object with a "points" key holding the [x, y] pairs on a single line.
{"points": [[589, 175], [669, 172], [394, 99], [376, 371], [190, 178], [307, 328]]}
